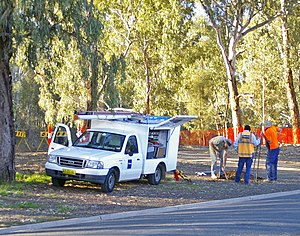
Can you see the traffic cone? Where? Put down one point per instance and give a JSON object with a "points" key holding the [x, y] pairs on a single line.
{"points": [[49, 134]]}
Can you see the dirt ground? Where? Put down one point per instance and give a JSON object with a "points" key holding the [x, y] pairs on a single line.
{"points": [[44, 202]]}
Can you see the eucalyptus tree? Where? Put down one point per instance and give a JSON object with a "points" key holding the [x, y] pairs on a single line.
{"points": [[232, 21], [7, 134], [151, 34], [260, 70], [203, 88], [287, 8], [61, 41], [28, 114], [276, 48], [63, 87]]}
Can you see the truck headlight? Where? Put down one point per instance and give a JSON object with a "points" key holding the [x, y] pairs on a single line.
{"points": [[94, 164], [52, 158]]}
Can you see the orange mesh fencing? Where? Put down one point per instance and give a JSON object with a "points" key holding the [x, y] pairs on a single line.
{"points": [[202, 137]]}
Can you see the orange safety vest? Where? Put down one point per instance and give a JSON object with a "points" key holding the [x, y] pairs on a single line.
{"points": [[245, 145], [271, 134]]}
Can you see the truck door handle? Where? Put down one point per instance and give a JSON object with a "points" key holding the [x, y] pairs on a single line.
{"points": [[138, 159]]}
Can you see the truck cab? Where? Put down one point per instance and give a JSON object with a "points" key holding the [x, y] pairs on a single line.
{"points": [[115, 149]]}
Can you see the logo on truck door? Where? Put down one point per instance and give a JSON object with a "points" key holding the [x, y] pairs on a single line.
{"points": [[129, 164]]}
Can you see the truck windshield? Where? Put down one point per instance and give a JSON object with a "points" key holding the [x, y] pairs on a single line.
{"points": [[100, 140]]}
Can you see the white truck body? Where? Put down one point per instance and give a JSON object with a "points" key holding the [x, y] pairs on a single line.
{"points": [[117, 148]]}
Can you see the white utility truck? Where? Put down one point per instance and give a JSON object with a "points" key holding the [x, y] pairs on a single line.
{"points": [[119, 146]]}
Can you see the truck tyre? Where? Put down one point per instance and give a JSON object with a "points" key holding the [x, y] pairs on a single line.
{"points": [[110, 181], [58, 182], [154, 179]]}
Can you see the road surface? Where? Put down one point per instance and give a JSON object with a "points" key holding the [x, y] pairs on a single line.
{"points": [[269, 214]]}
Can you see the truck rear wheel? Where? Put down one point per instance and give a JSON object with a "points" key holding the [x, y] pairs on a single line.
{"points": [[58, 182], [154, 179], [110, 181]]}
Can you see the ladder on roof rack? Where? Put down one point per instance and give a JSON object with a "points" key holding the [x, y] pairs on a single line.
{"points": [[108, 115]]}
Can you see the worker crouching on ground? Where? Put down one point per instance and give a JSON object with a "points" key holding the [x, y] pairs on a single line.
{"points": [[244, 146], [218, 147]]}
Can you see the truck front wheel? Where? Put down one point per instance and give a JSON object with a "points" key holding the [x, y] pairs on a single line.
{"points": [[110, 181], [58, 182], [154, 179]]}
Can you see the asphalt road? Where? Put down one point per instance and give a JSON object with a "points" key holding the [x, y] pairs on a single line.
{"points": [[269, 214]]}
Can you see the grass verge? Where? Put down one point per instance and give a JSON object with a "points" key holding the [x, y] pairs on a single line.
{"points": [[21, 182]]}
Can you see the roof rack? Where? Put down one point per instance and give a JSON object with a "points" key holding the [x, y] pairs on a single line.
{"points": [[119, 114], [107, 115]]}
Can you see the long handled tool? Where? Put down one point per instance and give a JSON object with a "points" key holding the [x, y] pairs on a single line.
{"points": [[223, 166], [223, 169], [257, 168], [254, 163]]}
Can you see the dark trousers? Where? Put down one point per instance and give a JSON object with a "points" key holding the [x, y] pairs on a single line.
{"points": [[242, 161], [272, 163]]}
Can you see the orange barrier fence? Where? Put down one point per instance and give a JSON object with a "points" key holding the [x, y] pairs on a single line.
{"points": [[202, 137]]}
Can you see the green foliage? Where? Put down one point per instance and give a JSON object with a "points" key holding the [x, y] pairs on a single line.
{"points": [[205, 77], [63, 209], [13, 188], [78, 55], [294, 36], [26, 205], [33, 178], [59, 41], [263, 64], [150, 39], [21, 183]]}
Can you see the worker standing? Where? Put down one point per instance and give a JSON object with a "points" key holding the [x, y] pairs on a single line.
{"points": [[218, 147], [244, 145], [271, 134]]}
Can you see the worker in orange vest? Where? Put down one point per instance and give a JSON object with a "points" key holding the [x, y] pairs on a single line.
{"points": [[271, 134]]}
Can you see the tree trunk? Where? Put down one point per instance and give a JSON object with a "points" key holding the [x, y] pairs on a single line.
{"points": [[94, 78], [92, 86], [7, 134], [235, 26], [93, 95], [234, 105], [148, 82], [288, 75], [230, 64], [293, 105]]}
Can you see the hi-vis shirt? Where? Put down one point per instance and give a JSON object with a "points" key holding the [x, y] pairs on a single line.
{"points": [[271, 134], [245, 143]]}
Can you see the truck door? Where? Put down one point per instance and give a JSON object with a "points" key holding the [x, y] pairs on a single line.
{"points": [[132, 162], [170, 152], [61, 138]]}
